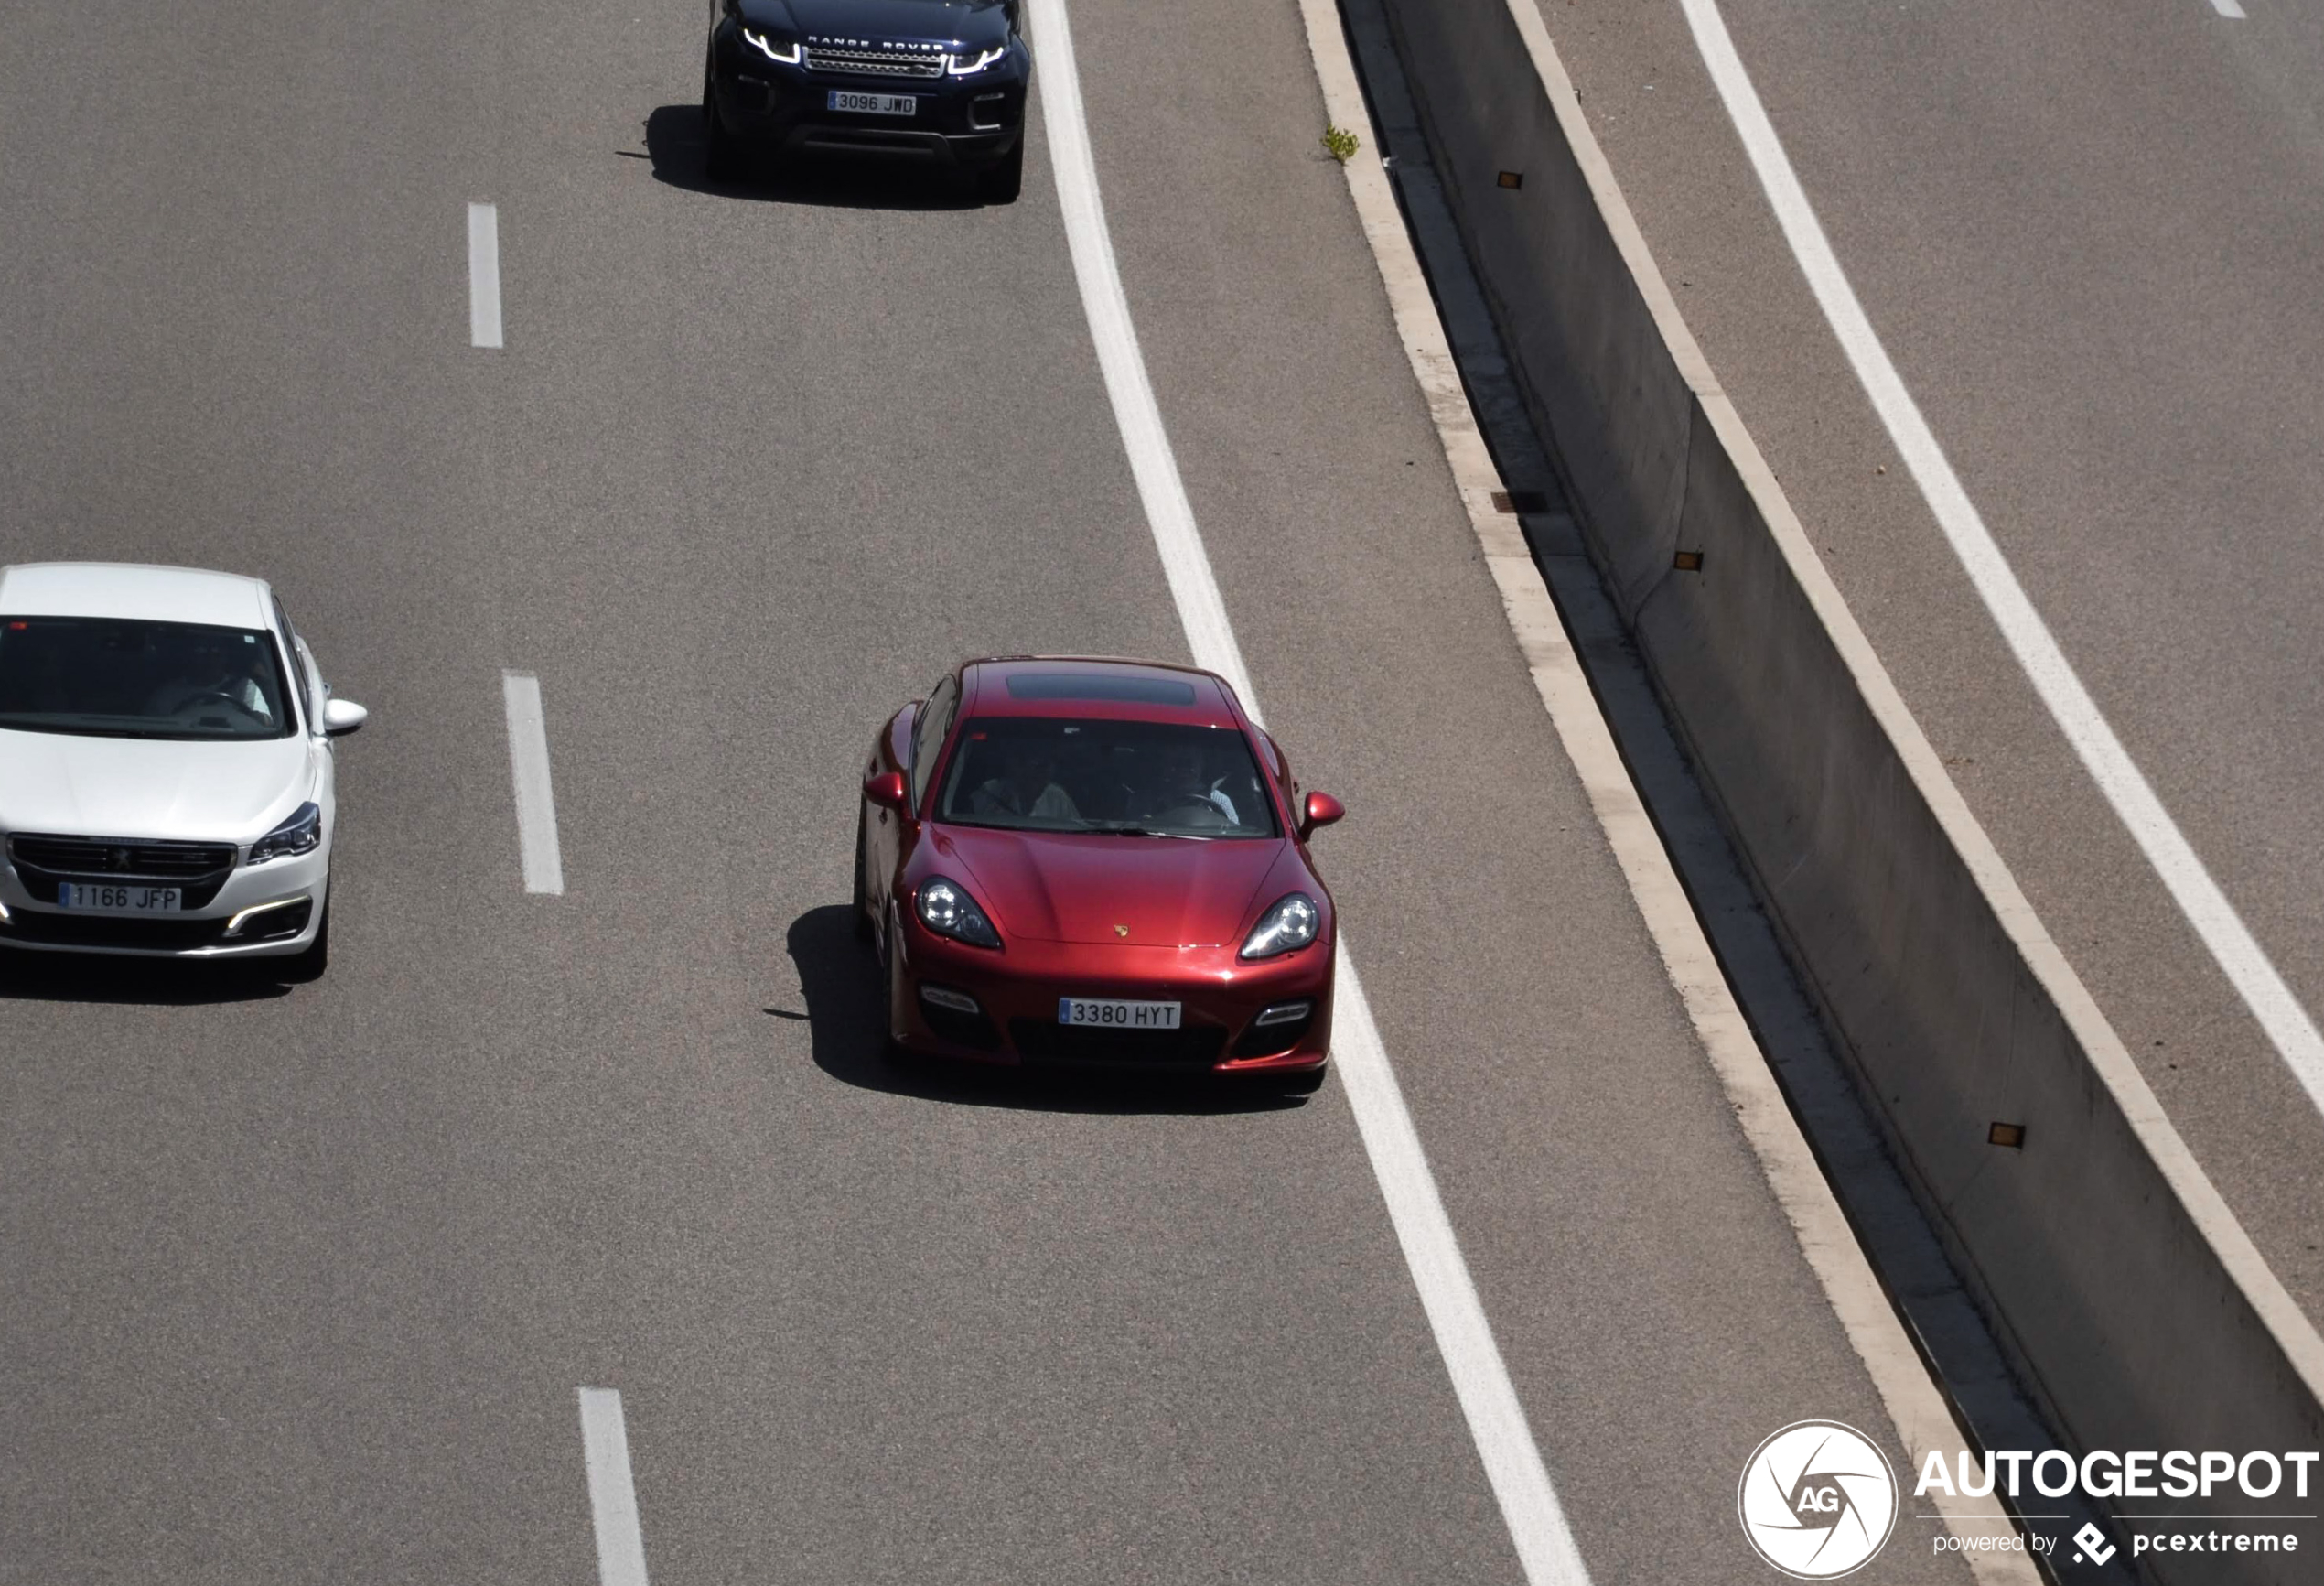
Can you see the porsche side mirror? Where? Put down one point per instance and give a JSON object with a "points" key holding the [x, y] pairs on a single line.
{"points": [[341, 716], [1321, 810], [886, 790]]}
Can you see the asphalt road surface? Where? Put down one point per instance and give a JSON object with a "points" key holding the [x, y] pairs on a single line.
{"points": [[300, 1284], [2089, 236]]}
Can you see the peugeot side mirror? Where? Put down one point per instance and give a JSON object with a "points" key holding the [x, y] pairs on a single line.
{"points": [[886, 790], [341, 716], [1321, 810]]}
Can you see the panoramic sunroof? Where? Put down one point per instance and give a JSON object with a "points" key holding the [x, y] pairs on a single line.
{"points": [[1083, 686]]}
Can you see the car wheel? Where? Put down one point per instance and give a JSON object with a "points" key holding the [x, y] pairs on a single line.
{"points": [[309, 964], [863, 892], [1000, 182], [721, 159]]}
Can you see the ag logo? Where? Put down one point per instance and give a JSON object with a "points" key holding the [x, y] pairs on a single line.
{"points": [[1817, 1500]]}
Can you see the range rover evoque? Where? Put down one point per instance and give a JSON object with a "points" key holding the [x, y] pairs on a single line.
{"points": [[932, 80]]}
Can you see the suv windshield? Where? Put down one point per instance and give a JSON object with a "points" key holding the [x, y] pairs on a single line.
{"points": [[1136, 778], [111, 677]]}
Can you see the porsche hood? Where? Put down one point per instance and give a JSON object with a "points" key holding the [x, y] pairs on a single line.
{"points": [[1120, 890]]}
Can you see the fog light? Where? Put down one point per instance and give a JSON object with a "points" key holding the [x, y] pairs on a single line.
{"points": [[941, 996], [235, 925], [1283, 1013]]}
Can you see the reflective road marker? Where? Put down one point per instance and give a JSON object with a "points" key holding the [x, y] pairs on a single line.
{"points": [[613, 1495], [536, 809]]}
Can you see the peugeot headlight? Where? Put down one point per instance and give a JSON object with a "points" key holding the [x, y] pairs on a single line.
{"points": [[969, 61], [784, 51], [1291, 923], [298, 834], [946, 909]]}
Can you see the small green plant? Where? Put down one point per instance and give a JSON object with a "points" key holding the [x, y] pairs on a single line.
{"points": [[1338, 142]]}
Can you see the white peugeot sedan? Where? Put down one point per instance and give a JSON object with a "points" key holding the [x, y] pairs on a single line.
{"points": [[165, 767]]}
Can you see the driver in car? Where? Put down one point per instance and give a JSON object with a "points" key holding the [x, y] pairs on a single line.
{"points": [[212, 673], [1023, 787], [1184, 778]]}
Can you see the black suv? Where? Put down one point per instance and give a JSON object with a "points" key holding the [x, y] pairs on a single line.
{"points": [[935, 80]]}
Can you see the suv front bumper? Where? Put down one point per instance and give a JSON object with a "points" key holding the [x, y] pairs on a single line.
{"points": [[969, 121]]}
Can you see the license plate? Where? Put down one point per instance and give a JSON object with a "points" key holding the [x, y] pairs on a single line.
{"points": [[1111, 1013], [874, 103], [83, 898]]}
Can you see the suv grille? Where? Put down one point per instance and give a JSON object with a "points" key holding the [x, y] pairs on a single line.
{"points": [[200, 869], [874, 62]]}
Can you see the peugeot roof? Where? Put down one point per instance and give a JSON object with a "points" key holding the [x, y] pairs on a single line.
{"points": [[132, 591]]}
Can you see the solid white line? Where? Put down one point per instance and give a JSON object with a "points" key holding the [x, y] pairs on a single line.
{"points": [[613, 1495], [484, 276], [536, 806], [1511, 1459], [2232, 945], [2228, 8]]}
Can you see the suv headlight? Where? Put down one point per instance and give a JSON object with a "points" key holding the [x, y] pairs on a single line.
{"points": [[968, 62], [946, 909], [1291, 923], [299, 835], [783, 51]]}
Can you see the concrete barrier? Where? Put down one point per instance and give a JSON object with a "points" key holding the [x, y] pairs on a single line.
{"points": [[2131, 1299]]}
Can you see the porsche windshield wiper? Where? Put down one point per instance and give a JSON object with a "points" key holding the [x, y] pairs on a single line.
{"points": [[1129, 831]]}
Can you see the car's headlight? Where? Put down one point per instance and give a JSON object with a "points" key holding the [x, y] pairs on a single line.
{"points": [[785, 51], [1292, 922], [968, 62], [299, 835], [946, 909]]}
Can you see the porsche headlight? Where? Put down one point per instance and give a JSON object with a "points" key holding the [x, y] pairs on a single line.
{"points": [[968, 62], [299, 835], [783, 51], [1291, 923], [946, 909]]}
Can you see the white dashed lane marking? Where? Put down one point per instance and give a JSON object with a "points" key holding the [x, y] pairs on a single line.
{"points": [[484, 276], [536, 807], [613, 1494]]}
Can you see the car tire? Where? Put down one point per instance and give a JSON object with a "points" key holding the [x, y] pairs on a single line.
{"points": [[863, 891], [721, 156], [307, 967], [1000, 182]]}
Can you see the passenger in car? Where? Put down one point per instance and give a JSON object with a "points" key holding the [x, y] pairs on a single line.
{"points": [[1025, 787]]}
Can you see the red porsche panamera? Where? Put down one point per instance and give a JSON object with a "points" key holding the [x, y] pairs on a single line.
{"points": [[1095, 864]]}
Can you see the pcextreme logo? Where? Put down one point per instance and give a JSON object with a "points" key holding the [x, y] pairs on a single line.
{"points": [[1817, 1500]]}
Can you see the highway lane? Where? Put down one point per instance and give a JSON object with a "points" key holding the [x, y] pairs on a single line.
{"points": [[2087, 237], [303, 1285]]}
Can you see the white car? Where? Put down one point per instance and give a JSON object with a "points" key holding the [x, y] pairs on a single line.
{"points": [[165, 767]]}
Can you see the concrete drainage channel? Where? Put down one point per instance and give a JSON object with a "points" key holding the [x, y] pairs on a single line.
{"points": [[2085, 1288]]}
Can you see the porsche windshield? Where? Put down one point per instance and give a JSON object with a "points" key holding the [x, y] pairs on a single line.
{"points": [[109, 677], [1134, 778]]}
